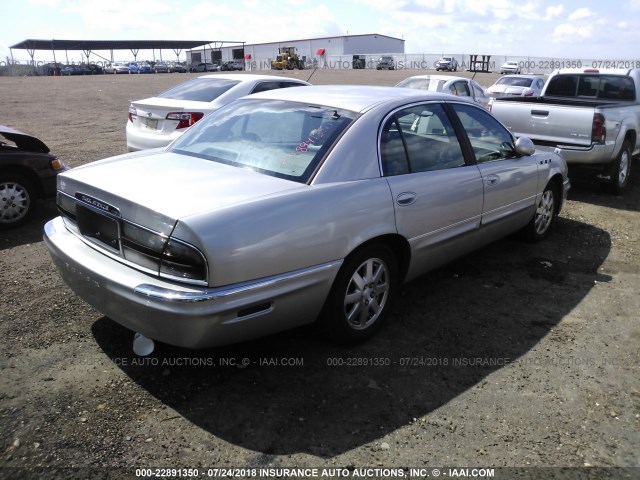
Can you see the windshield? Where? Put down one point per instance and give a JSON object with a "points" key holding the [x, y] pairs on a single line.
{"points": [[282, 139], [515, 81], [199, 89]]}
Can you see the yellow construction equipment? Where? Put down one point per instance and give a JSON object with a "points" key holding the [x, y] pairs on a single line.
{"points": [[287, 59]]}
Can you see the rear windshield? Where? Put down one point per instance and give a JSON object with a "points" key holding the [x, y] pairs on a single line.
{"points": [[609, 87], [199, 89], [282, 139], [425, 83], [515, 81]]}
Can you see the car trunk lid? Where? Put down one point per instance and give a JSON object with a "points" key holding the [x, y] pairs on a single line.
{"points": [[156, 188]]}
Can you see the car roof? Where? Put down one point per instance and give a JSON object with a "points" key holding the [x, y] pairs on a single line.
{"points": [[356, 98], [446, 78], [520, 75], [246, 77]]}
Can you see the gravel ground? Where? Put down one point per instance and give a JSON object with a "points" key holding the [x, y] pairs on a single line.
{"points": [[518, 355]]}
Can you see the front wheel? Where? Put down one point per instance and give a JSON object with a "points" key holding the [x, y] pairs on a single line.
{"points": [[17, 200], [361, 294], [544, 216], [619, 171]]}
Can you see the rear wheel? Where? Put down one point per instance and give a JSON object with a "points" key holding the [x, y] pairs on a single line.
{"points": [[361, 294], [619, 171], [17, 199]]}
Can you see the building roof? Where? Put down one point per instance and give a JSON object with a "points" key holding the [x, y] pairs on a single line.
{"points": [[285, 42], [90, 45]]}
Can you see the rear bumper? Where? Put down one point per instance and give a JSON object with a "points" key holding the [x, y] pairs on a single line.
{"points": [[144, 140], [186, 316], [594, 154]]}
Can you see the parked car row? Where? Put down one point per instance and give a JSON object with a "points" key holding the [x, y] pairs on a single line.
{"points": [[90, 69], [131, 67]]}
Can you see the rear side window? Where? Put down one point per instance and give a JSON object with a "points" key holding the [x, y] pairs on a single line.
{"points": [[609, 87], [270, 85], [419, 139], [199, 89]]}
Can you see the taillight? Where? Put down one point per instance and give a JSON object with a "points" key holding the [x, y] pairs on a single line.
{"points": [[185, 119], [529, 94], [132, 112], [598, 129]]}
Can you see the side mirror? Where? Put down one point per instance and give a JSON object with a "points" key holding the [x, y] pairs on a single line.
{"points": [[524, 146]]}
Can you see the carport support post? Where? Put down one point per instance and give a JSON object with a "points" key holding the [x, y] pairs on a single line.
{"points": [[135, 51], [177, 51]]}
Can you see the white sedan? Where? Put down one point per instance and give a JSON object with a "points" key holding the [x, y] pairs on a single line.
{"points": [[116, 68], [510, 67], [157, 121], [516, 85], [459, 86]]}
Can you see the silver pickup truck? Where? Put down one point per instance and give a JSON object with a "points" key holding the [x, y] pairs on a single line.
{"points": [[590, 117]]}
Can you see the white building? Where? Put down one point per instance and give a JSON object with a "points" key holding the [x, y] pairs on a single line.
{"points": [[314, 51]]}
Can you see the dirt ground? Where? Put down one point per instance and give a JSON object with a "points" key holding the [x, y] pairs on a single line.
{"points": [[519, 355]]}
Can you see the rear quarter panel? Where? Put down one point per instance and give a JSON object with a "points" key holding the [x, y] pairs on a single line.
{"points": [[289, 231]]}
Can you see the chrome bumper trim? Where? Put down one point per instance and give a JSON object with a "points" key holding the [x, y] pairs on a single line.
{"points": [[169, 295]]}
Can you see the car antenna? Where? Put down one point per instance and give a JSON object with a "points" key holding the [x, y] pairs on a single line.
{"points": [[314, 71]]}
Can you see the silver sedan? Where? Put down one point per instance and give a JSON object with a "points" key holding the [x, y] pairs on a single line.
{"points": [[295, 206]]}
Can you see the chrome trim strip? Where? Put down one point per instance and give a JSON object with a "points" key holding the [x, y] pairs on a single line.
{"points": [[213, 294]]}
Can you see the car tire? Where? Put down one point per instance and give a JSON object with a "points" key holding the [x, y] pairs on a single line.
{"points": [[352, 313], [544, 216], [619, 171], [17, 199]]}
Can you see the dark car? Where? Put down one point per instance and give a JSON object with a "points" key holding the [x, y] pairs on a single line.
{"points": [[28, 171], [385, 63], [95, 69], [75, 70], [177, 67]]}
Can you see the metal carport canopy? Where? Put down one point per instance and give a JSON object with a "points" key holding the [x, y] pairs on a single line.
{"points": [[31, 45]]}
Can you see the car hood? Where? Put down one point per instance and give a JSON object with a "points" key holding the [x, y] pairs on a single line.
{"points": [[24, 141], [155, 188]]}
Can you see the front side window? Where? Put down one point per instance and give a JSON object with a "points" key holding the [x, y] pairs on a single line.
{"points": [[419, 139], [490, 140], [278, 138]]}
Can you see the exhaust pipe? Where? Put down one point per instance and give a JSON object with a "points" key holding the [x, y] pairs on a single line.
{"points": [[142, 346]]}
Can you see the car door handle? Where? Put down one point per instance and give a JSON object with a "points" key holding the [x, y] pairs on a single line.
{"points": [[540, 113], [406, 198], [492, 180]]}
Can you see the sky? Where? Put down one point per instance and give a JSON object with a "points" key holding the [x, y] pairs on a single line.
{"points": [[568, 29]]}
